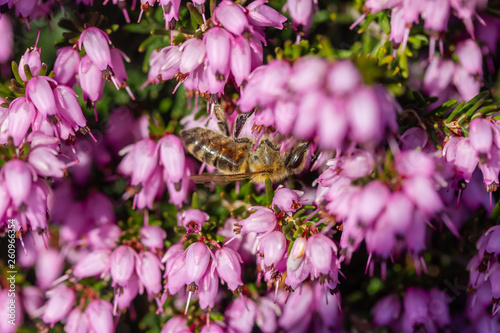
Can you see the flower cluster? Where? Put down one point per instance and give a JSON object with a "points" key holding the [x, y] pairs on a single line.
{"points": [[317, 98]]}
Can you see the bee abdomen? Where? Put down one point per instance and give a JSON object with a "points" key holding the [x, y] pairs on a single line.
{"points": [[215, 149]]}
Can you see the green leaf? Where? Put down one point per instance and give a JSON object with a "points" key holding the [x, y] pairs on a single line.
{"points": [[440, 110], [269, 192]]}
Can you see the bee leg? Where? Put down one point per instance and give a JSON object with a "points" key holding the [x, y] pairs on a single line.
{"points": [[238, 126], [221, 117]]}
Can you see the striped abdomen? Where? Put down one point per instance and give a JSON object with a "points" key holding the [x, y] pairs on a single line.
{"points": [[217, 150]]}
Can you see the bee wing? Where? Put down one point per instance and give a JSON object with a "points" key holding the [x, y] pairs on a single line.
{"points": [[221, 178]]}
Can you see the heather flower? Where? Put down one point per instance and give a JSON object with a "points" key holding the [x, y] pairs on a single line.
{"points": [[31, 58], [263, 221], [470, 56], [386, 310], [298, 310], [207, 289], [287, 200], [6, 39], [272, 247], [91, 80], [175, 325], [44, 160], [232, 17], [95, 41], [193, 219], [228, 265], [212, 328], [172, 157], [416, 302], [240, 59], [240, 315], [66, 65], [149, 190], [197, 257], [77, 322], [144, 161], [481, 135], [92, 264], [261, 15], [18, 178], [49, 266], [148, 268], [58, 306], [218, 45], [193, 55], [99, 316], [152, 237], [127, 294], [320, 251], [302, 12], [121, 264], [68, 106], [21, 115]]}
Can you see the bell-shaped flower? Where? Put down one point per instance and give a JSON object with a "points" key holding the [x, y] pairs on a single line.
{"points": [[46, 163], [232, 17], [438, 75], [416, 304], [172, 157], [333, 127], [297, 311], [129, 292], [150, 189], [99, 315], [60, 302], [371, 201], [465, 159], [91, 79], [21, 115], [320, 251], [104, 237], [197, 257], [287, 200], [31, 58], [301, 12], [193, 55], [273, 247], [207, 289], [92, 264], [467, 85], [240, 59], [175, 325], [117, 57], [423, 194], [436, 15], [415, 163], [153, 237], [261, 15], [297, 254], [228, 264], [49, 266], [122, 264], [343, 77], [18, 177], [365, 118], [212, 328], [308, 74], [66, 65], [439, 311], [398, 213], [148, 268], [193, 219], [77, 322], [164, 64], [470, 56], [39, 92], [144, 162], [262, 222], [240, 315], [68, 106], [96, 43], [481, 135], [218, 45], [386, 310], [175, 270]]}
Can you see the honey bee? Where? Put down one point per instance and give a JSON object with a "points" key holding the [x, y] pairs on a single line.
{"points": [[237, 159]]}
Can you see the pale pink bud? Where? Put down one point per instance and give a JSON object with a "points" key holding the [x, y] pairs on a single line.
{"points": [[193, 219], [218, 44], [99, 315], [6, 39], [121, 263], [148, 268], [91, 79], [320, 251], [228, 263], [32, 59], [77, 322], [263, 221], [60, 302], [481, 135], [153, 237], [68, 106], [66, 65], [470, 56], [21, 114], [207, 289], [241, 59], [287, 200], [273, 247], [39, 92], [261, 15], [92, 264], [172, 157], [145, 161], [231, 16], [46, 163], [197, 257], [18, 178], [193, 55], [96, 43]]}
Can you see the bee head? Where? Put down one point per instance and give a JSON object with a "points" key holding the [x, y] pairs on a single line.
{"points": [[295, 159]]}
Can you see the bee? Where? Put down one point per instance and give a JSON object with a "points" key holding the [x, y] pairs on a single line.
{"points": [[237, 159]]}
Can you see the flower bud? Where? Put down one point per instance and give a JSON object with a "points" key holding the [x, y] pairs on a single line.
{"points": [[99, 315], [301, 12], [122, 264], [261, 15], [197, 257], [96, 43], [68, 106], [60, 302], [228, 263], [297, 253], [32, 59]]}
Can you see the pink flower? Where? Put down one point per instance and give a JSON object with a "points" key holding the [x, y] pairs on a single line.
{"points": [[193, 55], [148, 268], [207, 289], [287, 200], [416, 302], [218, 44], [320, 251], [228, 265], [172, 157], [68, 106], [261, 15], [153, 237], [39, 92], [273, 247], [46, 163], [121, 263], [193, 219], [92, 264], [386, 310], [144, 161], [77, 322], [481, 135], [18, 177], [175, 325], [66, 65], [240, 315], [240, 59], [197, 257], [470, 56], [231, 16], [60, 302], [99, 316], [96, 46], [301, 12], [263, 221], [91, 79], [6, 39], [31, 58], [21, 115]]}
